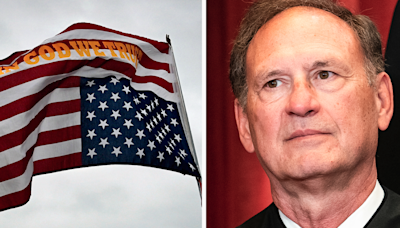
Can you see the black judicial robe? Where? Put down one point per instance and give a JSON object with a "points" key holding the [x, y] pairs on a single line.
{"points": [[387, 215]]}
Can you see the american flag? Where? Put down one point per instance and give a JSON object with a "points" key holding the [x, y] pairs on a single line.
{"points": [[90, 96]]}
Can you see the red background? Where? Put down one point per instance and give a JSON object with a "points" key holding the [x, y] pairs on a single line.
{"points": [[237, 187]]}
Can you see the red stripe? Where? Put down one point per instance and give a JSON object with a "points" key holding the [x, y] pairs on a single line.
{"points": [[18, 137], [15, 169], [65, 67], [16, 198], [59, 135], [55, 68], [58, 163], [156, 80], [130, 71], [162, 47], [18, 168], [26, 103]]}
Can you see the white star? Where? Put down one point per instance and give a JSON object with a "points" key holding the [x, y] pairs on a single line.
{"points": [[170, 107], [91, 134], [128, 123], [128, 142], [140, 153], [116, 132], [174, 122], [90, 97], [90, 115], [173, 142], [115, 96], [177, 160], [166, 127], [136, 100], [178, 137], [116, 151], [158, 116], [114, 81], [127, 105], [182, 153], [104, 142], [159, 140], [163, 113], [139, 116], [103, 123], [103, 105], [160, 156], [168, 150], [148, 127], [151, 145], [126, 89], [115, 114], [192, 167], [91, 153], [156, 101], [148, 108], [140, 134], [143, 111], [102, 88], [142, 95], [90, 83]]}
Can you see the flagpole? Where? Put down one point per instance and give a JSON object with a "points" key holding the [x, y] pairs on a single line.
{"points": [[185, 122]]}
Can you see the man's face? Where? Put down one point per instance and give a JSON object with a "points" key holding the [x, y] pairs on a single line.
{"points": [[310, 110]]}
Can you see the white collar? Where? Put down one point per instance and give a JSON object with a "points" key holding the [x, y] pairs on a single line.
{"points": [[359, 218]]}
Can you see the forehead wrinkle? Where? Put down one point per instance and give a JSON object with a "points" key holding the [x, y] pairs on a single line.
{"points": [[329, 63]]}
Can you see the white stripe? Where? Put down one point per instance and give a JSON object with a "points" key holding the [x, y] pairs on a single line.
{"points": [[90, 34], [17, 153], [21, 120], [18, 183], [57, 149], [141, 71], [158, 90]]}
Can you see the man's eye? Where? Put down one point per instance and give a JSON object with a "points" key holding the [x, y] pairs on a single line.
{"points": [[274, 83], [324, 74]]}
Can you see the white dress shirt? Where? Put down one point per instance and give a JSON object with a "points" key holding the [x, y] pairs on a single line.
{"points": [[359, 218]]}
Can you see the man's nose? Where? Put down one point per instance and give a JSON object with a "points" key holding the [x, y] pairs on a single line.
{"points": [[302, 100]]}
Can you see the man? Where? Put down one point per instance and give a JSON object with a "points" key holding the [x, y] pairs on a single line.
{"points": [[312, 95]]}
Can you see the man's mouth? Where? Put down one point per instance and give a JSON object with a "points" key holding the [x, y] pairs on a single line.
{"points": [[304, 133]]}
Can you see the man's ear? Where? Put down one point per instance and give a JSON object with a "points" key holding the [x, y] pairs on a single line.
{"points": [[242, 123], [384, 100]]}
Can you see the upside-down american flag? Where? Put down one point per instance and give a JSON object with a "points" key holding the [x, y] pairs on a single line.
{"points": [[90, 96]]}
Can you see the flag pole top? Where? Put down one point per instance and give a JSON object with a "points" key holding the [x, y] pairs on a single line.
{"points": [[168, 39]]}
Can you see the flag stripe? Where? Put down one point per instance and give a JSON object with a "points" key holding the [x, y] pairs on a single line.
{"points": [[58, 163], [16, 153], [15, 199], [162, 47], [21, 120], [18, 183], [26, 103], [69, 67], [58, 135], [90, 34], [16, 169], [57, 149]]}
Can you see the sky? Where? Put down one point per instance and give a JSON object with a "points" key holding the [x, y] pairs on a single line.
{"points": [[114, 195]]}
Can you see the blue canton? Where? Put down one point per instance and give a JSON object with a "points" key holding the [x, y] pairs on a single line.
{"points": [[121, 125]]}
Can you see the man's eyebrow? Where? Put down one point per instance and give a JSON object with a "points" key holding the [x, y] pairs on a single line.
{"points": [[273, 73], [318, 64], [328, 63]]}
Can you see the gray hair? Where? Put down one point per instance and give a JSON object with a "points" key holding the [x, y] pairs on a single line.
{"points": [[264, 10]]}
